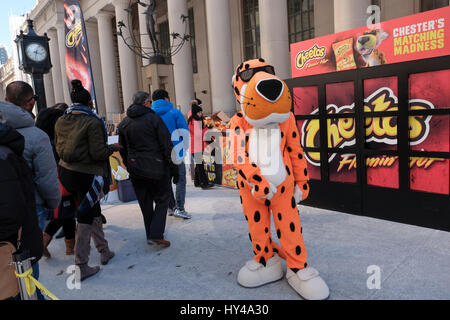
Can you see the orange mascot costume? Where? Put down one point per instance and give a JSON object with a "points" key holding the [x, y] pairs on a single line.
{"points": [[272, 178]]}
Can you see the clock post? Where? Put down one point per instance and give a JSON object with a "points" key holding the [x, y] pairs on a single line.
{"points": [[34, 59]]}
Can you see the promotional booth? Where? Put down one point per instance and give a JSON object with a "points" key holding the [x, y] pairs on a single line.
{"points": [[373, 108]]}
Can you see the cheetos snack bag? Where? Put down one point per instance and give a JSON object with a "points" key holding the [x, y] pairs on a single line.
{"points": [[343, 51]]}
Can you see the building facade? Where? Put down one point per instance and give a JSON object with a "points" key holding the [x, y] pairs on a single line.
{"points": [[6, 76], [223, 33]]}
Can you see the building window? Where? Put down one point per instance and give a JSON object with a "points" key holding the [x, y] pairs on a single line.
{"points": [[426, 5], [301, 20], [376, 3], [164, 40], [192, 40], [252, 45]]}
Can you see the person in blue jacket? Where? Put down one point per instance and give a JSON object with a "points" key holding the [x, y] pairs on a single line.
{"points": [[174, 119]]}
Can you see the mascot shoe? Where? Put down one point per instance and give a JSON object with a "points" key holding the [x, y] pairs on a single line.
{"points": [[254, 274], [307, 283]]}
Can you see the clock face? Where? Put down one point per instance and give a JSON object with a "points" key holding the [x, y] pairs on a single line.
{"points": [[36, 52]]}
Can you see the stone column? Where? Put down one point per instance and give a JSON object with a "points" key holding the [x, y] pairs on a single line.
{"points": [[49, 92], [273, 20], [56, 69], [182, 61], [94, 54], [220, 55], [108, 65], [62, 58], [350, 14], [146, 44], [127, 58]]}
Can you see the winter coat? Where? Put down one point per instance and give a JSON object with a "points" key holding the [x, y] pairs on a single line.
{"points": [[80, 143], [38, 154], [197, 134], [173, 118], [17, 201], [146, 143], [46, 121]]}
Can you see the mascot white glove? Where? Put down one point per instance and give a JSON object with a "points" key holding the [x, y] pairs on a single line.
{"points": [[269, 196], [298, 194]]}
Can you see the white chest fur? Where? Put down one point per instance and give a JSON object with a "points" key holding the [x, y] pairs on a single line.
{"points": [[265, 152], [373, 61]]}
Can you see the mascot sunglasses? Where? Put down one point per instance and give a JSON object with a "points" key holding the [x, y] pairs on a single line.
{"points": [[246, 75]]}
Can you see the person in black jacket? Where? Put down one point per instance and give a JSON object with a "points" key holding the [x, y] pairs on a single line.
{"points": [[146, 153], [17, 201], [46, 121]]}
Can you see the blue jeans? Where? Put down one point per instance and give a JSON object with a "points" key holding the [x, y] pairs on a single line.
{"points": [[36, 276], [180, 189], [42, 214]]}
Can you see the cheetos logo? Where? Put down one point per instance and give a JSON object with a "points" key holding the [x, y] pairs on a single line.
{"points": [[74, 36], [304, 56], [383, 130]]}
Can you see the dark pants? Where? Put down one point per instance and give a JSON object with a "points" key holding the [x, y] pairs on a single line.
{"points": [[78, 184], [68, 225], [148, 192], [200, 177], [90, 224]]}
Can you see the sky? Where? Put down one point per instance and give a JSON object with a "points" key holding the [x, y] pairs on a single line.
{"points": [[16, 8]]}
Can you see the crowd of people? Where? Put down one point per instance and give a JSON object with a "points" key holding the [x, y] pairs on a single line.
{"points": [[54, 169]]}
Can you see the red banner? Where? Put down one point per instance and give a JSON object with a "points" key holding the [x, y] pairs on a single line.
{"points": [[78, 64], [419, 36]]}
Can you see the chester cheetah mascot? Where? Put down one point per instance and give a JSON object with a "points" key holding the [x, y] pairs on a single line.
{"points": [[367, 46], [272, 178]]}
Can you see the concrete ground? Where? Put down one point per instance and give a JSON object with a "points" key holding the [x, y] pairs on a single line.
{"points": [[208, 251]]}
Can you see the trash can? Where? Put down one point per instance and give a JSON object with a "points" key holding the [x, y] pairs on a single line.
{"points": [[125, 190]]}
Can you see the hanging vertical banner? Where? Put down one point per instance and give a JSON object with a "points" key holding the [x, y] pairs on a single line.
{"points": [[78, 64]]}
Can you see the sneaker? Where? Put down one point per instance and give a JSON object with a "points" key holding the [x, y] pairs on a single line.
{"points": [[181, 214], [159, 242], [170, 212]]}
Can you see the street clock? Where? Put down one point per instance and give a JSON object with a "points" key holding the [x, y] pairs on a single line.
{"points": [[34, 59]]}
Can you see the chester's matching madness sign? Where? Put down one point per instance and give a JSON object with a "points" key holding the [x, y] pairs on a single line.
{"points": [[411, 38], [415, 37]]}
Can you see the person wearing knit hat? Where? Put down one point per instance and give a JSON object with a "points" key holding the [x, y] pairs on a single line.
{"points": [[197, 112], [79, 94], [197, 131], [81, 143]]}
